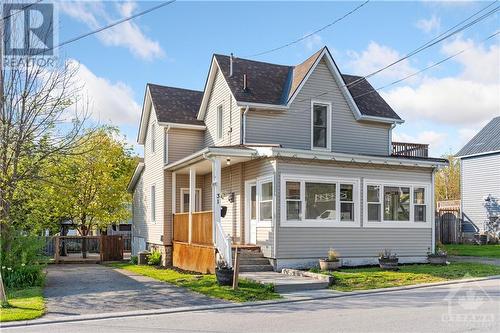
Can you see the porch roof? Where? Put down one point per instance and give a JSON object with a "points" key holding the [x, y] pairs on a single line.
{"points": [[241, 153]]}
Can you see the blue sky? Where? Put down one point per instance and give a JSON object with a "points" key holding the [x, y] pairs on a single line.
{"points": [[172, 46]]}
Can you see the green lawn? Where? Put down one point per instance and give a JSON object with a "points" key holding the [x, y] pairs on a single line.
{"points": [[25, 304], [350, 279], [487, 251], [205, 284]]}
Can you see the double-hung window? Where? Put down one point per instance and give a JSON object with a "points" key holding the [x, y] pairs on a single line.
{"points": [[311, 201], [153, 203], [220, 122], [320, 125], [266, 201], [165, 147], [396, 204], [153, 137]]}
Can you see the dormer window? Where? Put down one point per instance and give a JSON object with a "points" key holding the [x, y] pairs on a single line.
{"points": [[220, 122], [320, 125]]}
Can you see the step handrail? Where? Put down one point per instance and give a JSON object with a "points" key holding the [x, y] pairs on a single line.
{"points": [[223, 245]]}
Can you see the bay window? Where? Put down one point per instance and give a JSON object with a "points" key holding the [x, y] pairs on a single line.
{"points": [[311, 201], [398, 204]]}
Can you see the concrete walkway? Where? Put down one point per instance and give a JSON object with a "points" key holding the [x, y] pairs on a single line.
{"points": [[478, 260], [285, 283], [92, 289]]}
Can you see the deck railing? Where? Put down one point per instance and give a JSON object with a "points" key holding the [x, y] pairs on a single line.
{"points": [[410, 149], [201, 232]]}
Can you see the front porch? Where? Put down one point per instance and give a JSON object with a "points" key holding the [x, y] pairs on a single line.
{"points": [[201, 190]]}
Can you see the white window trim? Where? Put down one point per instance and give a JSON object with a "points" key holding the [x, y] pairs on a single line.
{"points": [[165, 147], [337, 223], [328, 125], [185, 190], [259, 182], [153, 138], [220, 122], [397, 224], [152, 204]]}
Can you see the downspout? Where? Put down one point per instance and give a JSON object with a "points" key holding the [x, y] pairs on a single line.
{"points": [[393, 125], [433, 212], [244, 136]]}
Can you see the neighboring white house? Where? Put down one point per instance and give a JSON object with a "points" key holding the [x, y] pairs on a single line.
{"points": [[301, 156], [480, 175]]}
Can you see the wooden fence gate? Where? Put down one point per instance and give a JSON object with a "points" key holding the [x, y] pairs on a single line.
{"points": [[70, 249]]}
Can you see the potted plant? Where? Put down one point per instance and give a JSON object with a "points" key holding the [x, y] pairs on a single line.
{"points": [[439, 257], [224, 274], [331, 263], [388, 260]]}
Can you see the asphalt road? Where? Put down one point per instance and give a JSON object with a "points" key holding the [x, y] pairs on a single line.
{"points": [[471, 307]]}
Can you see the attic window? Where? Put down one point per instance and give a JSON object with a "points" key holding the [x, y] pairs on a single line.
{"points": [[320, 125], [220, 123]]}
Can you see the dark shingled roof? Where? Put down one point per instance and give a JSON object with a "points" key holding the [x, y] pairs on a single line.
{"points": [[369, 104], [487, 140], [267, 84], [176, 105], [275, 84]]}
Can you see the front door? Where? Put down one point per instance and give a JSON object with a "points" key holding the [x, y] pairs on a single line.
{"points": [[251, 212]]}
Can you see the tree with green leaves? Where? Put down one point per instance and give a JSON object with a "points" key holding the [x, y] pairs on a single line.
{"points": [[447, 180], [89, 186]]}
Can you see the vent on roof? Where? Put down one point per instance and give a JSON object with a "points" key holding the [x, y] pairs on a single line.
{"points": [[245, 86], [231, 65]]}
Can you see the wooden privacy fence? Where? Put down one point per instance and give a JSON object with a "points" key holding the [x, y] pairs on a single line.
{"points": [[201, 228], [87, 248]]}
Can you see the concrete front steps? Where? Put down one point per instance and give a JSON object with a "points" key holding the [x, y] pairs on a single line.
{"points": [[252, 260], [285, 283]]}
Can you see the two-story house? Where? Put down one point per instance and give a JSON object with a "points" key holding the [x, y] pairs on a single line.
{"points": [[300, 158]]}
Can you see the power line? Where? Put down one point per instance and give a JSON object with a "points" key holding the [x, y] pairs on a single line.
{"points": [[125, 19], [443, 36], [308, 35], [21, 10], [426, 68]]}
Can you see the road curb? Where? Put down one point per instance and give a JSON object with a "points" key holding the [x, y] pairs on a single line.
{"points": [[139, 313]]}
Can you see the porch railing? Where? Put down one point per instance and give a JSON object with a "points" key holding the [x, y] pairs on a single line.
{"points": [[223, 242], [410, 149], [201, 232]]}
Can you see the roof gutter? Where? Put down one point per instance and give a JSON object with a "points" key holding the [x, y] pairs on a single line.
{"points": [[263, 106], [182, 126], [479, 154]]}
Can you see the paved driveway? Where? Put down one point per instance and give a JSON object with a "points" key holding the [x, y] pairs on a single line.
{"points": [[89, 289]]}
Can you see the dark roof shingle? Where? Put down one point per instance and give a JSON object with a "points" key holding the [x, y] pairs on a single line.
{"points": [[487, 140], [176, 105]]}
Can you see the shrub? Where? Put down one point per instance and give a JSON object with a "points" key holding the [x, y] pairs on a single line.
{"points": [[333, 255], [133, 260], [154, 259], [22, 262]]}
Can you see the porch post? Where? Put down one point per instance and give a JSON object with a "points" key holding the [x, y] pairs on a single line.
{"points": [[174, 192], [192, 200], [216, 186]]}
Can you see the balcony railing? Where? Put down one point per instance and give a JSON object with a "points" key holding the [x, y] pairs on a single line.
{"points": [[410, 149]]}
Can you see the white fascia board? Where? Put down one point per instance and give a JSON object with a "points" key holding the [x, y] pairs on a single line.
{"points": [[209, 152], [343, 157], [135, 177], [146, 112], [381, 119], [479, 154], [183, 126], [263, 106]]}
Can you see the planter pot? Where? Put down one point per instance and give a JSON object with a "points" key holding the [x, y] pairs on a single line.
{"points": [[389, 264], [326, 265], [437, 260], [224, 276]]}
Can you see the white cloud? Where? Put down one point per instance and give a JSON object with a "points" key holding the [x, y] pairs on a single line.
{"points": [[435, 140], [110, 102], [429, 25], [128, 34], [468, 98], [479, 63], [313, 42], [377, 56]]}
